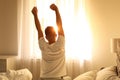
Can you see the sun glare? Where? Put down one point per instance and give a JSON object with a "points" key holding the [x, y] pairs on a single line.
{"points": [[79, 43], [77, 30], [85, 32]]}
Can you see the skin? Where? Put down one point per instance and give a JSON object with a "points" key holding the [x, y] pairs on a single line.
{"points": [[51, 37]]}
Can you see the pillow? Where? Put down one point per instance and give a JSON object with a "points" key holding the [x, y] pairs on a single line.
{"points": [[90, 75], [26, 72], [23, 73], [109, 73]]}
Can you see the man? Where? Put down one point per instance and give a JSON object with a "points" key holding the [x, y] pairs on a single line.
{"points": [[53, 52]]}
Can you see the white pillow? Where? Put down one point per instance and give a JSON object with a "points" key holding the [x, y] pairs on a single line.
{"points": [[22, 73], [90, 75], [25, 72], [109, 73]]}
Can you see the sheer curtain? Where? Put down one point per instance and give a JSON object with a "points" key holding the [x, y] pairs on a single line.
{"points": [[77, 34], [25, 38]]}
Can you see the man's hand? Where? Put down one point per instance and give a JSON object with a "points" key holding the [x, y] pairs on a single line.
{"points": [[53, 7], [34, 11]]}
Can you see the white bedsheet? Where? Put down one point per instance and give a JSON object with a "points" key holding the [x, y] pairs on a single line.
{"points": [[109, 73], [90, 75], [22, 74]]}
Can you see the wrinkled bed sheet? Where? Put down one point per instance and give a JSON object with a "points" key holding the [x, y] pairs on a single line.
{"points": [[22, 74], [108, 73]]}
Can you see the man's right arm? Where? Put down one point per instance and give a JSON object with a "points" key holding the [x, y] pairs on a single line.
{"points": [[37, 23], [58, 19]]}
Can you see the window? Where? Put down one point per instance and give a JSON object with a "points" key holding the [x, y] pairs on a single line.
{"points": [[77, 29]]}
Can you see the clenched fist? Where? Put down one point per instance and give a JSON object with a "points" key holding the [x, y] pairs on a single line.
{"points": [[34, 10], [53, 7]]}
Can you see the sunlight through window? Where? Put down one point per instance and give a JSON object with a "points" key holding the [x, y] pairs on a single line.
{"points": [[84, 42], [77, 30]]}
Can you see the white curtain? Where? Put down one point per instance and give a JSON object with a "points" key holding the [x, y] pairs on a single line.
{"points": [[26, 37], [77, 34]]}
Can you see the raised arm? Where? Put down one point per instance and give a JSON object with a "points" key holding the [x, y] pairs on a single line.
{"points": [[58, 19], [37, 23]]}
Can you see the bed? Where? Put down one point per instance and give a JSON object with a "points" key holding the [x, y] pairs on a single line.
{"points": [[108, 73], [21, 74]]}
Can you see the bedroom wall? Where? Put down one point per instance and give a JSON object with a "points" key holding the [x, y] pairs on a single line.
{"points": [[8, 27], [104, 18]]}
